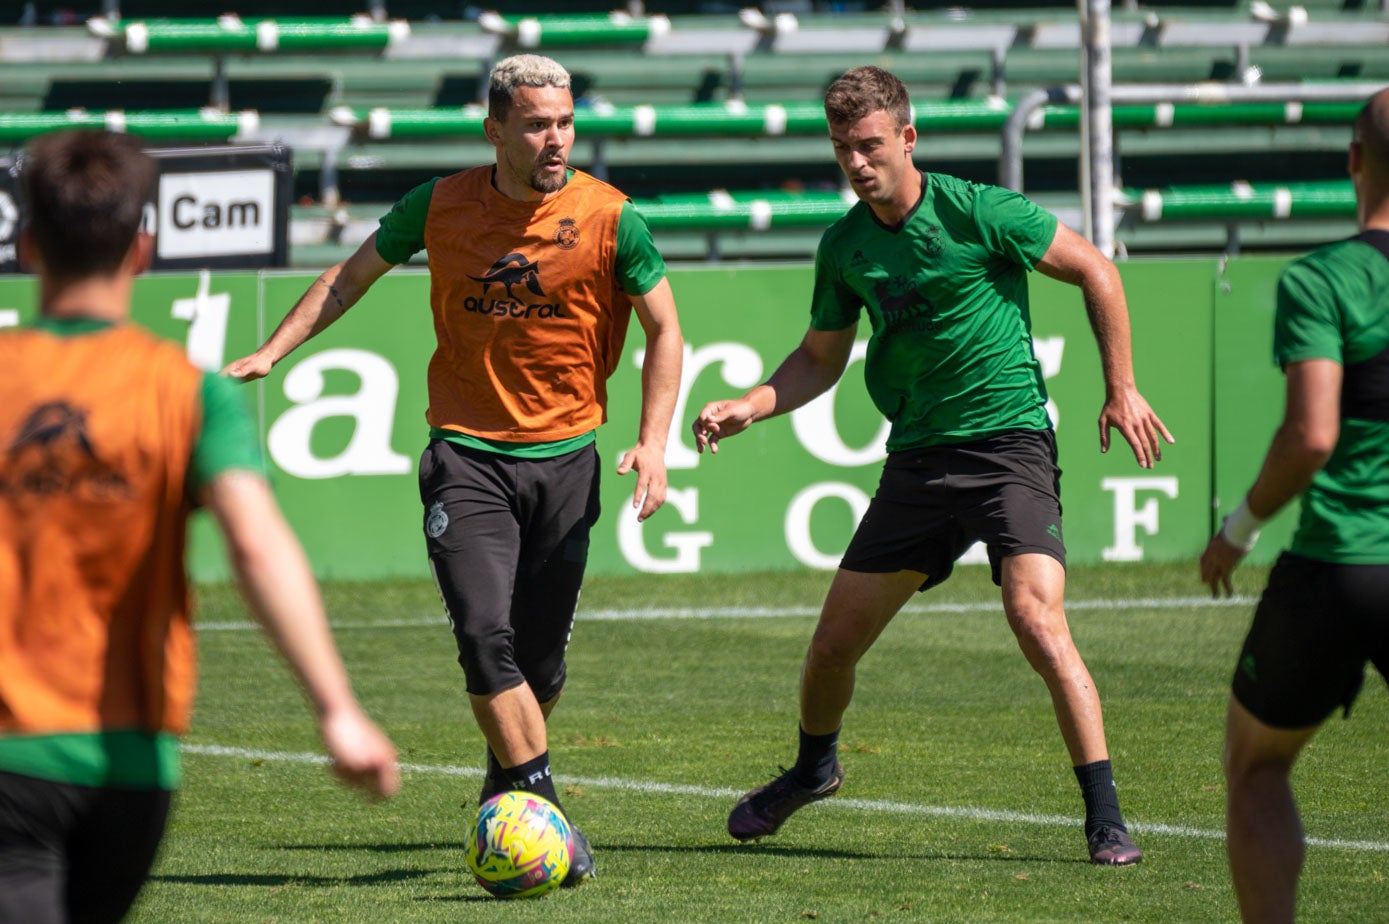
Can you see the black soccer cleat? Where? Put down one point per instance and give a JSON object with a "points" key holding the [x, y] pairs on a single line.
{"points": [[581, 864]]}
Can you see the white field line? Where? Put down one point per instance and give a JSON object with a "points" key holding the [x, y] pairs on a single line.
{"points": [[763, 612], [872, 806]]}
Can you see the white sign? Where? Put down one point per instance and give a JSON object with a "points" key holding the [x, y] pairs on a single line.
{"points": [[216, 214]]}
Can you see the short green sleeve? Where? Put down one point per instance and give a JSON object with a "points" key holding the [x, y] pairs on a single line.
{"points": [[1305, 324], [833, 305], [400, 234], [1013, 225], [228, 437], [639, 264]]}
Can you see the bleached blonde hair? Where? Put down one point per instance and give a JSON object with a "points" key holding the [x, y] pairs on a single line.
{"points": [[521, 71]]}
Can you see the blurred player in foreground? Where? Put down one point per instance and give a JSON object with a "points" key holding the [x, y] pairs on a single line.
{"points": [[940, 267], [1325, 611], [108, 440]]}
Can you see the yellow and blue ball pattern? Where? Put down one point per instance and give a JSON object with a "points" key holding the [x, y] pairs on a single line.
{"points": [[519, 846]]}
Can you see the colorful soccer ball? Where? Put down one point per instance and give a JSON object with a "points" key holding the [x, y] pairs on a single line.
{"points": [[519, 846]]}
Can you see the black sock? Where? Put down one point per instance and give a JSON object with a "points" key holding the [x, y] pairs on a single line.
{"points": [[1101, 798], [496, 779], [534, 776], [816, 758]]}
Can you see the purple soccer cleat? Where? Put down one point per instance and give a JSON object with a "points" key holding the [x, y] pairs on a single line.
{"points": [[1111, 846], [763, 810]]}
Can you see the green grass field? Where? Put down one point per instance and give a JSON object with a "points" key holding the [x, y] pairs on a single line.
{"points": [[959, 802]]}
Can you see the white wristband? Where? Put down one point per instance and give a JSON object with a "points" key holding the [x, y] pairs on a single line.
{"points": [[1241, 528]]}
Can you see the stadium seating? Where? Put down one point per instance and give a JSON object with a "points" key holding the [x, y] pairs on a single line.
{"points": [[676, 100]]}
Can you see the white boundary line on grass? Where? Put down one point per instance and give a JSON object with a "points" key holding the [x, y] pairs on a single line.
{"points": [[764, 612], [877, 806]]}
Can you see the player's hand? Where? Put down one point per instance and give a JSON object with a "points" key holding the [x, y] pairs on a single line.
{"points": [[1128, 412], [1218, 562], [650, 465], [248, 368], [720, 419], [362, 755]]}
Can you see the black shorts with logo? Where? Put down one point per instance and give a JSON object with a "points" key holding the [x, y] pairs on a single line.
{"points": [[75, 853], [508, 544], [934, 503], [1316, 625]]}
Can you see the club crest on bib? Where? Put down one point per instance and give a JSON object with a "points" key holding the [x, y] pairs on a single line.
{"points": [[567, 235]]}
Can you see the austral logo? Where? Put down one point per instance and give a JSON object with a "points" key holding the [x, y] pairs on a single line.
{"points": [[567, 235], [513, 271], [52, 454]]}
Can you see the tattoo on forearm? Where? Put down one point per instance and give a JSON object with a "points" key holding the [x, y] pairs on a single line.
{"points": [[334, 294]]}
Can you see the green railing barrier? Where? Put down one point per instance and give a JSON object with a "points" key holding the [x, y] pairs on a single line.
{"points": [[194, 125], [1167, 115], [571, 31], [737, 118], [232, 34], [1327, 199], [755, 211], [762, 211]]}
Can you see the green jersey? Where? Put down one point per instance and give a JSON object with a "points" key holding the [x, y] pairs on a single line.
{"points": [[1334, 304], [950, 356]]}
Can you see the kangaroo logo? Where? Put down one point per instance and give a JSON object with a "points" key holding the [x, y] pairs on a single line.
{"points": [[898, 295], [50, 427], [512, 270], [51, 454]]}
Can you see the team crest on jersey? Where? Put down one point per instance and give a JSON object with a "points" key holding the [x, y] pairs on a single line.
{"points": [[933, 242], [567, 235], [437, 521]]}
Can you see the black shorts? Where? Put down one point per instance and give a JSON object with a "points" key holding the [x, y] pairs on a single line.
{"points": [[508, 544], [1316, 625], [75, 853], [934, 503]]}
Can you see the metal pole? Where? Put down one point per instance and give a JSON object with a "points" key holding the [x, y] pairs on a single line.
{"points": [[1010, 144], [1098, 135]]}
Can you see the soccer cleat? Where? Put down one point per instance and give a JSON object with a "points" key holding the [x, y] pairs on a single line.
{"points": [[581, 864], [1110, 846], [763, 810]]}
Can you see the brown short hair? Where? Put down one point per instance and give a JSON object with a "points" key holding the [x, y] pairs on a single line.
{"points": [[865, 90], [85, 193], [1372, 131]]}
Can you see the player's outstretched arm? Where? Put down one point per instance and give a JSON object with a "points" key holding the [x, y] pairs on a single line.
{"points": [[1073, 259], [283, 595], [660, 386], [810, 370], [327, 299]]}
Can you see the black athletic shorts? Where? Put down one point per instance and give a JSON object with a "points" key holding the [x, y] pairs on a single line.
{"points": [[1316, 625], [934, 503], [508, 543], [75, 853]]}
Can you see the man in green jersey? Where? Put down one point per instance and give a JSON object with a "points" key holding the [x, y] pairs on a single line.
{"points": [[940, 267], [535, 271], [1323, 614]]}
